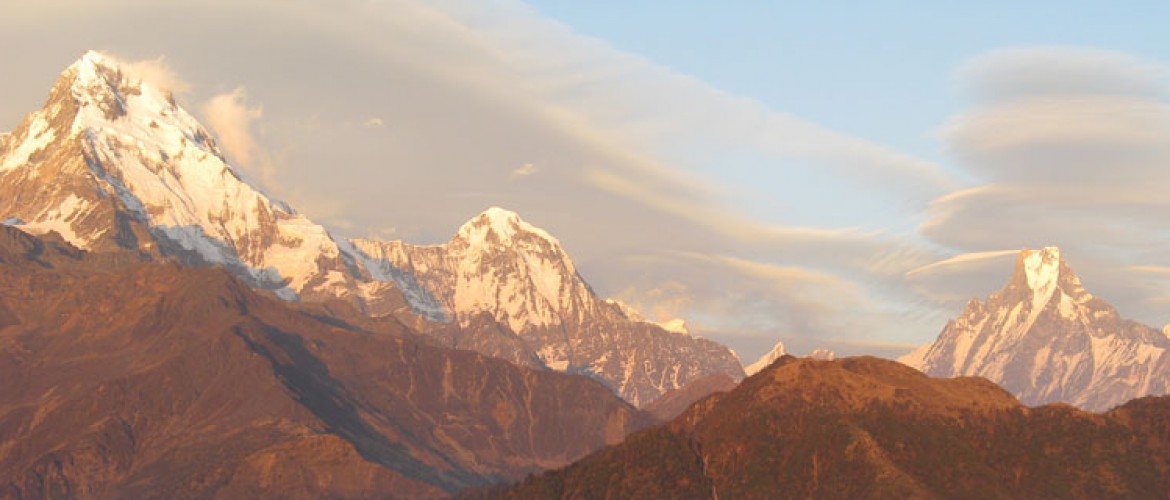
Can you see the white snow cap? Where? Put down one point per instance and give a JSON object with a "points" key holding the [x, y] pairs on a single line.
{"points": [[501, 222], [765, 360], [1041, 274], [1041, 267], [823, 355], [89, 60]]}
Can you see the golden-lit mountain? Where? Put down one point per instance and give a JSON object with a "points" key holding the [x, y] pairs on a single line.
{"points": [[871, 428]]}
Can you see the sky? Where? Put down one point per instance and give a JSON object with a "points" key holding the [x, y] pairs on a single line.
{"points": [[824, 175]]}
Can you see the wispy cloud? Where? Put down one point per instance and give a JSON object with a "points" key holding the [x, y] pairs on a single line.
{"points": [[159, 74], [525, 170], [231, 120]]}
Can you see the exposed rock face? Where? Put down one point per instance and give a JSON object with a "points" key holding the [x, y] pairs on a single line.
{"points": [[143, 380], [871, 428], [1046, 339], [500, 267]]}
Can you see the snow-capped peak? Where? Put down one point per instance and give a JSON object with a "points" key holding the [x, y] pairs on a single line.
{"points": [[498, 225], [104, 87], [1041, 268], [1041, 274], [90, 63], [499, 264], [1046, 339], [765, 360], [92, 69], [106, 134], [823, 355]]}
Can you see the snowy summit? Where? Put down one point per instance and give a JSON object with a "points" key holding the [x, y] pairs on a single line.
{"points": [[777, 352]]}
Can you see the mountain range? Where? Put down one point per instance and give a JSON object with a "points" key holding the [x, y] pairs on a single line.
{"points": [[169, 330], [112, 162]]}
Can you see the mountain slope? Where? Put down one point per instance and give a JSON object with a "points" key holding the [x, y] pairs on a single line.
{"points": [[130, 379], [871, 428], [112, 161], [499, 266], [1046, 339]]}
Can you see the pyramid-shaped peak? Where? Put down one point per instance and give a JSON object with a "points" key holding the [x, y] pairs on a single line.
{"points": [[1042, 274], [97, 58], [500, 223], [100, 73], [1042, 270], [95, 68], [102, 83], [500, 214], [1041, 267], [778, 351]]}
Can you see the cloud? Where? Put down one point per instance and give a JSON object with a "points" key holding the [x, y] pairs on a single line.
{"points": [[382, 233], [159, 74], [1070, 148], [1027, 72], [664, 302], [525, 170], [374, 122], [709, 288], [1156, 270], [967, 259], [751, 304], [231, 119], [951, 282]]}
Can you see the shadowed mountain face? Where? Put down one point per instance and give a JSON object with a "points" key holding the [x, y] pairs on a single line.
{"points": [[128, 379], [871, 428]]}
